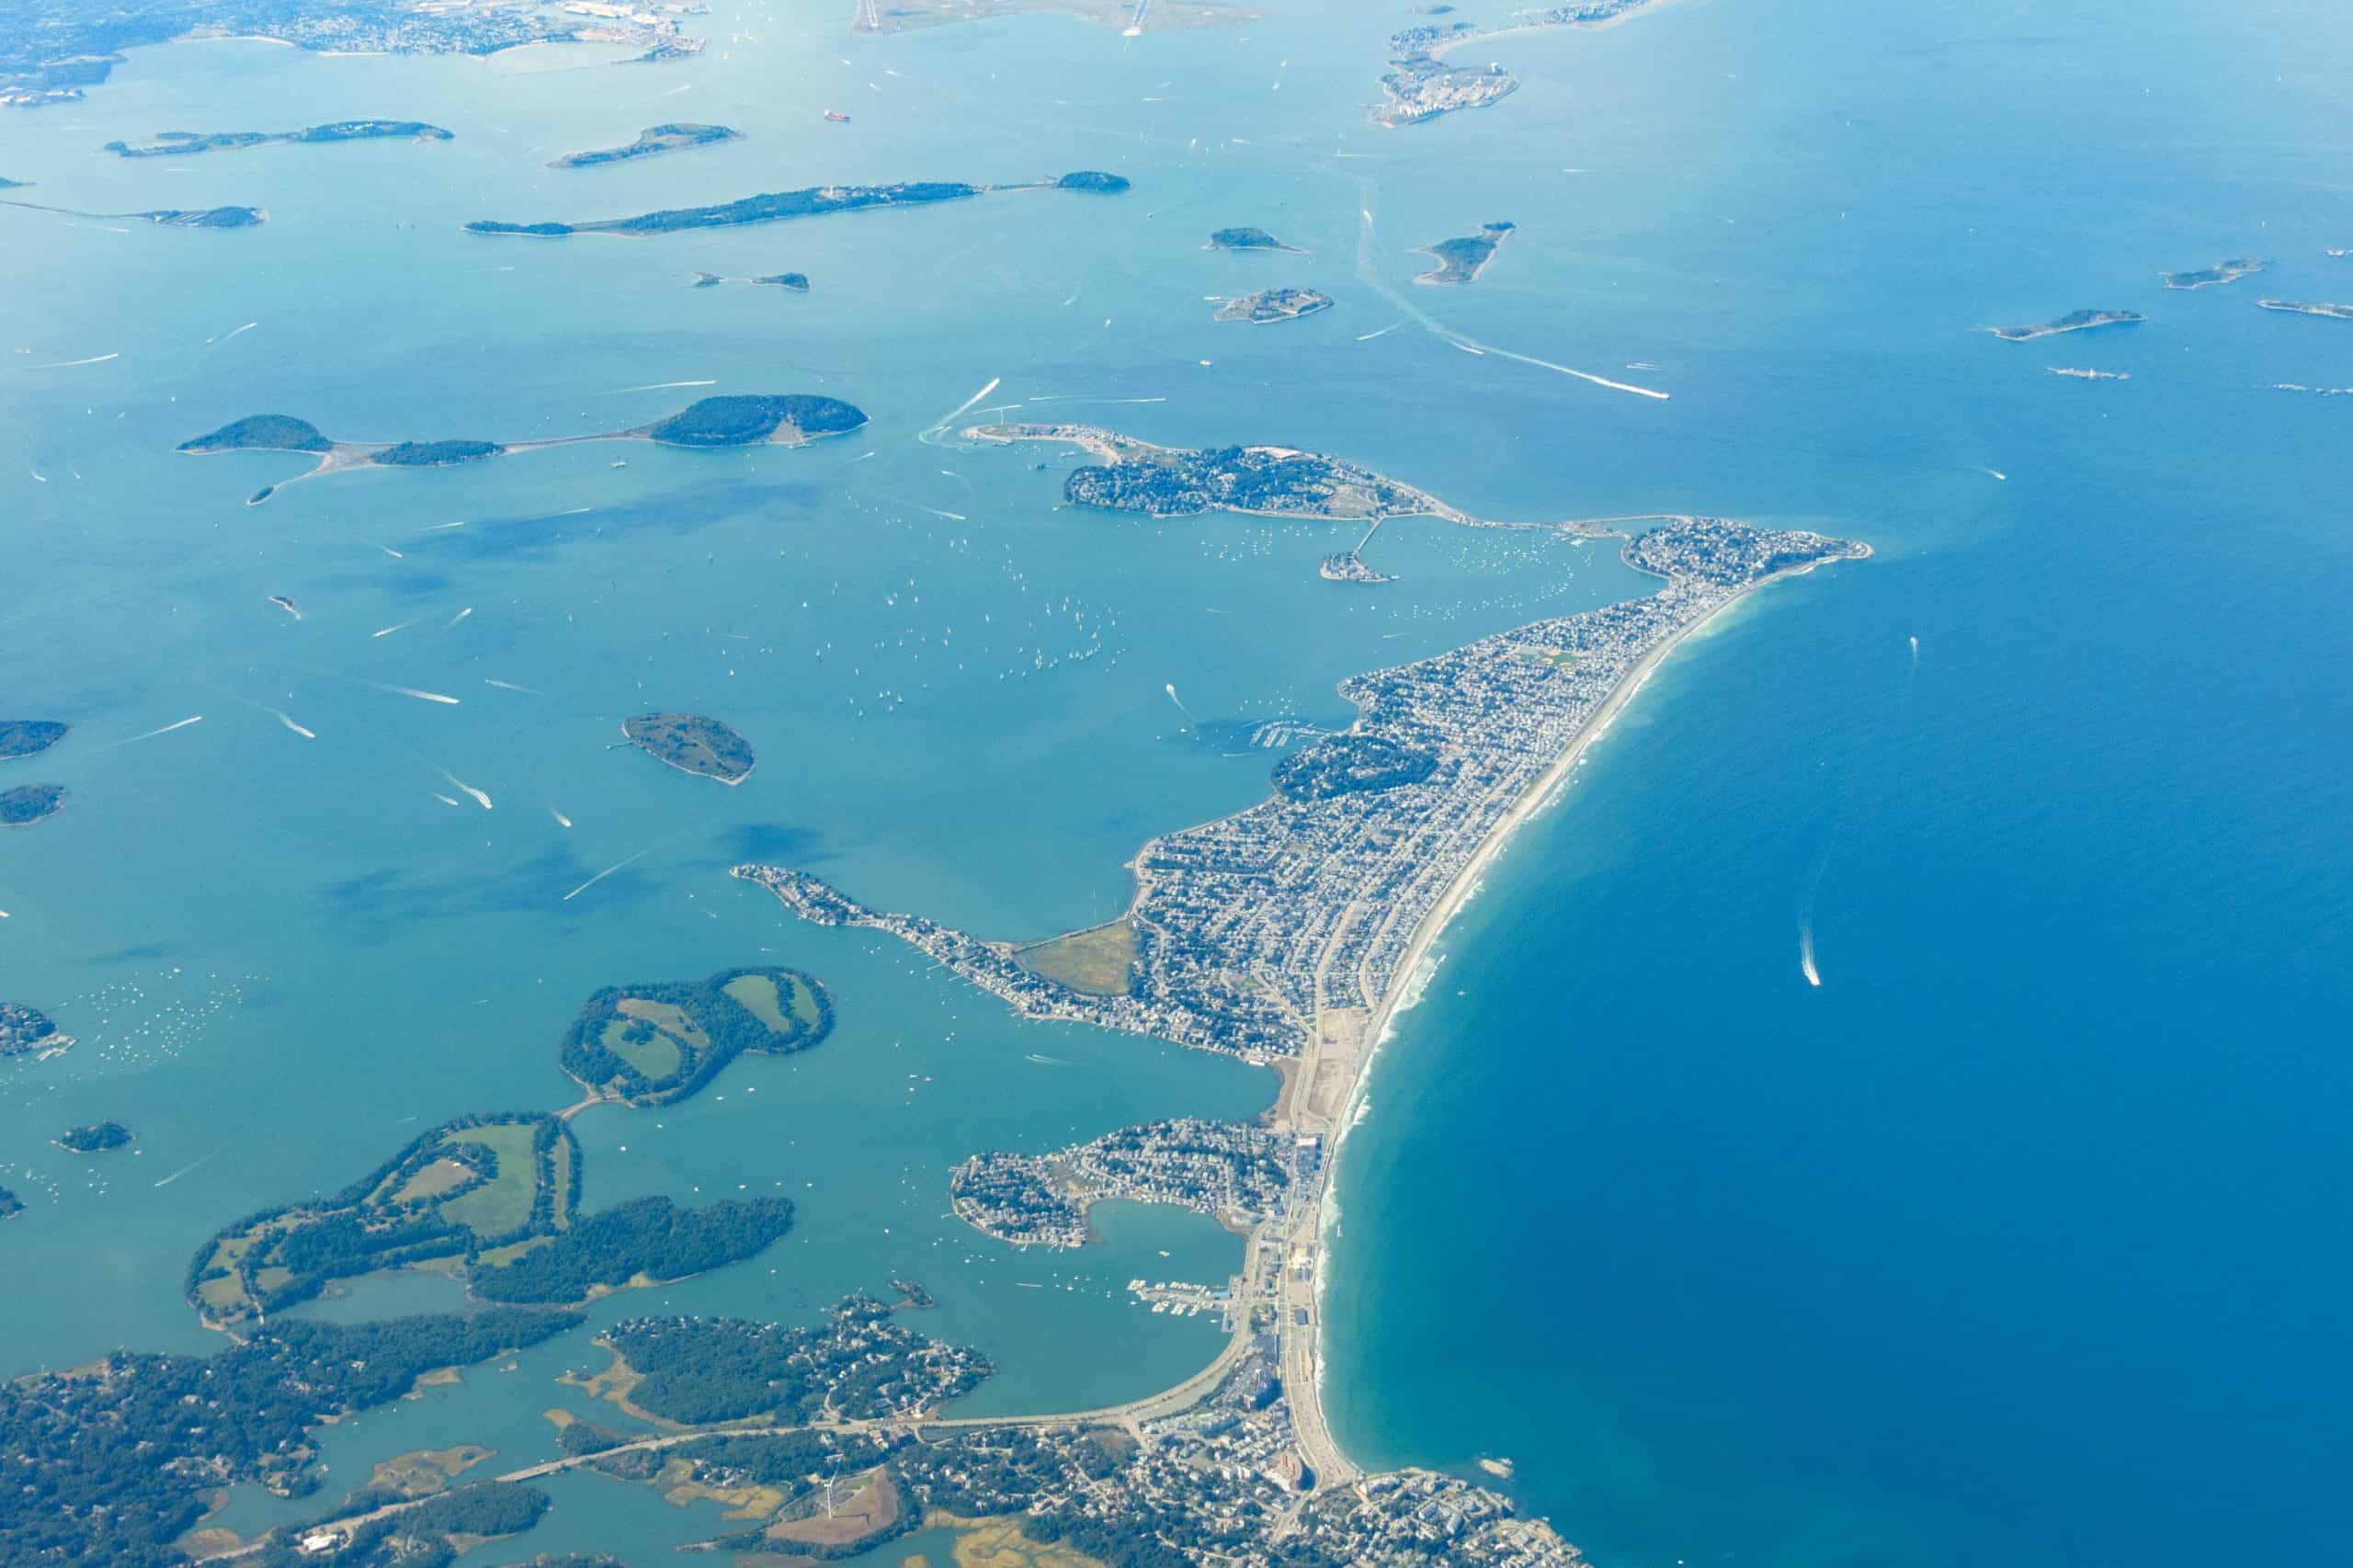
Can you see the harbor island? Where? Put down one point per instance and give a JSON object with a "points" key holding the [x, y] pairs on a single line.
{"points": [[789, 419], [675, 137], [813, 201], [2073, 321], [179, 144]]}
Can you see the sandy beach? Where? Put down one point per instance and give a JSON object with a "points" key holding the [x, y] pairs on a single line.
{"points": [[1411, 976]]}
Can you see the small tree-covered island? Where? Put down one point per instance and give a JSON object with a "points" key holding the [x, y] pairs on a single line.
{"points": [[742, 420], [1246, 238], [675, 137], [1462, 260], [1273, 305], [180, 143], [2221, 272], [28, 803], [28, 737], [692, 743], [2301, 308], [98, 1137], [813, 201]]}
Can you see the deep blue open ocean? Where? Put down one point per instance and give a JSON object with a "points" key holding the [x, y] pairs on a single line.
{"points": [[2021, 1237]]}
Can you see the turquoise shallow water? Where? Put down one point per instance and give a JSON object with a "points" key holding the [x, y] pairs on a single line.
{"points": [[2010, 1237]]}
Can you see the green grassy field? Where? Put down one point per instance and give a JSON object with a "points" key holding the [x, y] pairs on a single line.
{"points": [[503, 1203], [1097, 961]]}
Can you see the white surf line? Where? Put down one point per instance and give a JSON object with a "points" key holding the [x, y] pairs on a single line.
{"points": [[930, 433], [69, 364], [184, 723], [185, 1169], [652, 386], [1438, 329], [510, 686], [411, 691], [397, 626], [607, 872]]}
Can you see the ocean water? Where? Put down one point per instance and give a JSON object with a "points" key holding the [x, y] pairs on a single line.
{"points": [[2013, 1235], [2017, 1239]]}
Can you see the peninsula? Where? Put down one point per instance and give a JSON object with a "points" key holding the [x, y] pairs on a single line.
{"points": [[24, 1029], [28, 737], [98, 1137], [2221, 272], [28, 803], [1273, 305], [2073, 321], [1462, 260], [815, 202], [2077, 373], [675, 137], [1419, 85], [1247, 239], [789, 419], [1288, 934], [51, 50], [2298, 307], [167, 217], [180, 143]]}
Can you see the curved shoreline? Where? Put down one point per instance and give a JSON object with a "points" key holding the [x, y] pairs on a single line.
{"points": [[1408, 980]]}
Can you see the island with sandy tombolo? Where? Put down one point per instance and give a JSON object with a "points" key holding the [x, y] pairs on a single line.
{"points": [[184, 143], [675, 137], [1269, 305], [1245, 238], [737, 420], [2221, 272], [2299, 307], [792, 282], [2073, 321], [1129, 475], [692, 743], [98, 1137], [28, 737], [813, 201], [1287, 933], [167, 217], [28, 803], [1460, 261]]}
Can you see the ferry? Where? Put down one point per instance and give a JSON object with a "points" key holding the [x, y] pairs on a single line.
{"points": [[837, 117]]}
